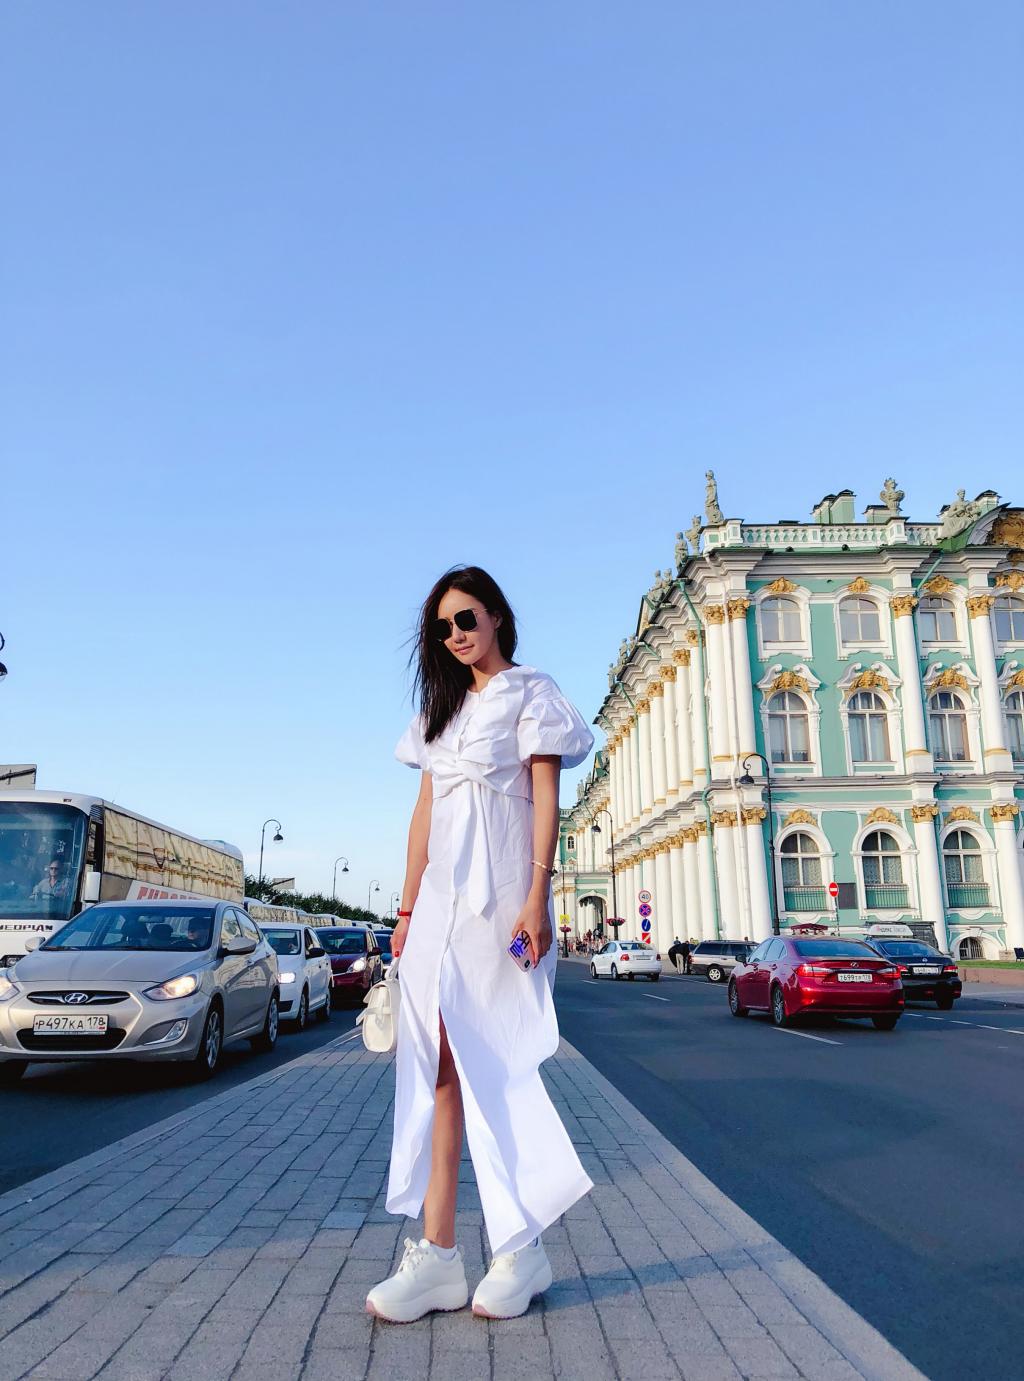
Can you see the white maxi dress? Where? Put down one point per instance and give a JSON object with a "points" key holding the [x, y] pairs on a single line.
{"points": [[500, 1021]]}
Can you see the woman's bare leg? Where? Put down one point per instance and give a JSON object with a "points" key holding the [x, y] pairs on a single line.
{"points": [[446, 1148]]}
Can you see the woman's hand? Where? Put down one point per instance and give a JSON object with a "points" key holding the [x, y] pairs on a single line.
{"points": [[536, 922], [398, 936]]}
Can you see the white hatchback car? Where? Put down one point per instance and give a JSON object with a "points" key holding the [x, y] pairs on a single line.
{"points": [[304, 972], [626, 959]]}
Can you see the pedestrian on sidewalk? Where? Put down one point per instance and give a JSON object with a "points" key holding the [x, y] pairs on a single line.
{"points": [[675, 952], [490, 738]]}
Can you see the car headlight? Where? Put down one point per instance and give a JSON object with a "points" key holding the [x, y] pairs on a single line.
{"points": [[7, 988], [287, 977], [358, 966], [184, 986]]}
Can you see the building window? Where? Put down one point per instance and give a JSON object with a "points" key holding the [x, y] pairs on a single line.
{"points": [[1015, 724], [882, 867], [869, 728], [970, 948], [1010, 619], [801, 874], [789, 735], [780, 620], [570, 843], [936, 620], [948, 724], [858, 621], [964, 869]]}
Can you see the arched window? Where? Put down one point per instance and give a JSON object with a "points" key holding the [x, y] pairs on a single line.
{"points": [[801, 873], [789, 736], [936, 620], [882, 868], [570, 843], [858, 620], [869, 728], [1015, 723], [1010, 619], [970, 948], [964, 869], [780, 620], [948, 724]]}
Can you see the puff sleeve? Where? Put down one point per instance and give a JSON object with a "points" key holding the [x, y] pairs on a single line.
{"points": [[550, 724], [411, 749]]}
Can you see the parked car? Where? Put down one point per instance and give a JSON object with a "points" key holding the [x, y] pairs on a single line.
{"points": [[355, 957], [843, 978], [926, 973], [305, 973], [384, 942], [626, 959], [151, 981], [717, 958]]}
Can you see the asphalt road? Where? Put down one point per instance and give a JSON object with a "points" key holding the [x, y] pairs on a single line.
{"points": [[58, 1112], [890, 1163]]}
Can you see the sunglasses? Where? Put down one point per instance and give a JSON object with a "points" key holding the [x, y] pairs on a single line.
{"points": [[442, 630]]}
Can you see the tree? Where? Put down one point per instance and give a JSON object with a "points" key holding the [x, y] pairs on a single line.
{"points": [[316, 903]]}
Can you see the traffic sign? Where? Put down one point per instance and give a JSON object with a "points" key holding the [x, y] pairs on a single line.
{"points": [[563, 918], [645, 925], [644, 909], [833, 889], [643, 895]]}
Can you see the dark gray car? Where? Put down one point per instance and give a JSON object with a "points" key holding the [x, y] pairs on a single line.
{"points": [[156, 981]]}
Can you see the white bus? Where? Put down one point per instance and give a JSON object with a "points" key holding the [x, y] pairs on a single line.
{"points": [[61, 851]]}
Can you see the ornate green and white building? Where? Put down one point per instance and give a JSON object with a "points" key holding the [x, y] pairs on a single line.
{"points": [[878, 667]]}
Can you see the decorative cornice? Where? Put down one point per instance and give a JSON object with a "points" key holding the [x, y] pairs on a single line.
{"points": [[881, 815], [643, 705], [688, 836], [859, 586], [692, 636], [714, 613], [903, 606], [939, 585], [962, 813], [753, 815], [700, 828], [724, 819], [789, 680], [737, 608], [1017, 679], [798, 817], [980, 606], [927, 811], [949, 677], [681, 656], [1001, 813], [868, 680], [656, 689], [1013, 580], [669, 674], [782, 586], [1008, 531]]}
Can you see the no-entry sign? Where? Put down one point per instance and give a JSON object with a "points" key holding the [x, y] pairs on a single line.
{"points": [[833, 889]]}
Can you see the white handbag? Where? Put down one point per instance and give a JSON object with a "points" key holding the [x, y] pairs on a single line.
{"points": [[380, 1020]]}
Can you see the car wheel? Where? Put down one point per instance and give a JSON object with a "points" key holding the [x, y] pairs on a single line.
{"points": [[302, 1015], [884, 1023], [779, 1017], [615, 973], [11, 1071], [324, 1013], [267, 1038], [207, 1057], [945, 1004], [654, 977], [715, 974], [735, 1006], [593, 972], [631, 977]]}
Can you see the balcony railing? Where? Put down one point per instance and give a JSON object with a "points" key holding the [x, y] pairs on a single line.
{"points": [[805, 898], [886, 896], [964, 895]]}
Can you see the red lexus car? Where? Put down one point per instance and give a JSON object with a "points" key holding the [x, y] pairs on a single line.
{"points": [[791, 977]]}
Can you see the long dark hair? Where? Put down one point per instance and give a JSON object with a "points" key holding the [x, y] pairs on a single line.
{"points": [[440, 683]]}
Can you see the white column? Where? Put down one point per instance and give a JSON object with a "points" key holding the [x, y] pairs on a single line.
{"points": [[1011, 884], [658, 756], [661, 931], [634, 770], [677, 882], [725, 857], [643, 721], [997, 757], [614, 783], [757, 870], [691, 880], [721, 753], [699, 715], [671, 734], [902, 606], [627, 813], [744, 690], [705, 862], [684, 719], [929, 877]]}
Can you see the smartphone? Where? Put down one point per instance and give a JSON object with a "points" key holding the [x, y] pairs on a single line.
{"points": [[519, 951]]}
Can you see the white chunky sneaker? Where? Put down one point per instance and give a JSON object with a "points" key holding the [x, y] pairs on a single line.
{"points": [[423, 1282], [514, 1278]]}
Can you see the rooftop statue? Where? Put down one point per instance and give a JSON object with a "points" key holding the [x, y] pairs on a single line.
{"points": [[693, 533], [956, 516], [892, 496], [711, 510], [682, 549]]}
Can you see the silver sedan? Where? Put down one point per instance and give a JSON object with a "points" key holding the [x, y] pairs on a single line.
{"points": [[153, 981]]}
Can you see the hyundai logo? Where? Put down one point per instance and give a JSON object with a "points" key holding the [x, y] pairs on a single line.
{"points": [[75, 999]]}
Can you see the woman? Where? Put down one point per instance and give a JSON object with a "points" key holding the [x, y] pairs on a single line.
{"points": [[474, 1027]]}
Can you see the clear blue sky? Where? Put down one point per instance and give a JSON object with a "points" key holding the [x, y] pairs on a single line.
{"points": [[304, 303]]}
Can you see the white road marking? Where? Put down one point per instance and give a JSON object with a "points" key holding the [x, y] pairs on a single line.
{"points": [[977, 1025], [655, 998], [806, 1035], [590, 980]]}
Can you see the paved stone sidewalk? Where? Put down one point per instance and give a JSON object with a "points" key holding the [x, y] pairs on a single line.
{"points": [[238, 1240]]}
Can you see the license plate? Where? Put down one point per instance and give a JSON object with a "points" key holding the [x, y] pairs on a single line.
{"points": [[854, 977], [927, 968], [81, 1024]]}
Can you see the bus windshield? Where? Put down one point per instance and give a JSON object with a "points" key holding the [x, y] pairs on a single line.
{"points": [[41, 850]]}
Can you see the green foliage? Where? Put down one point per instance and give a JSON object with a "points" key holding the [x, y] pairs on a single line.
{"points": [[316, 903]]}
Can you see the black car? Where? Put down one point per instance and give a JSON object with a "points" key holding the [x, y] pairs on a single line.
{"points": [[927, 973]]}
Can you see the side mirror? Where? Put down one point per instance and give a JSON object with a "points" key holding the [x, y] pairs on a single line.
{"points": [[238, 944], [91, 887], [33, 942], [316, 952]]}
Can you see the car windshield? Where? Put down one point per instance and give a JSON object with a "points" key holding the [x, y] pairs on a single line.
{"points": [[282, 941], [342, 941], [41, 854], [833, 949], [908, 949], [384, 940], [185, 929]]}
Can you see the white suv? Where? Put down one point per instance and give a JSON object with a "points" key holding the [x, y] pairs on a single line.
{"points": [[626, 959]]}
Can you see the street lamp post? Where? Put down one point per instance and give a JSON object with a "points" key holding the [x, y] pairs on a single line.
{"points": [[395, 897], [373, 887], [596, 829], [747, 780], [277, 838], [334, 881]]}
